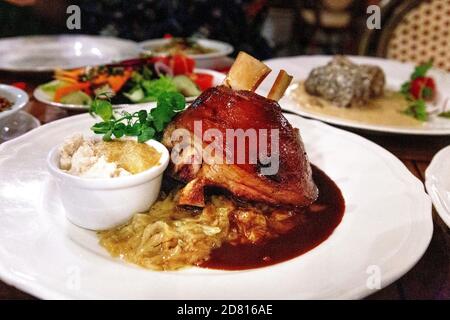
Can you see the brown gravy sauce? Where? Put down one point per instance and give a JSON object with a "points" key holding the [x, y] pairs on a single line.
{"points": [[317, 223]]}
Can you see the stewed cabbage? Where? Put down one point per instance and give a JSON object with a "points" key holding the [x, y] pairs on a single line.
{"points": [[170, 237]]}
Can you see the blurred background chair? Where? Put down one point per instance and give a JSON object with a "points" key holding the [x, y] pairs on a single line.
{"points": [[414, 31], [328, 26]]}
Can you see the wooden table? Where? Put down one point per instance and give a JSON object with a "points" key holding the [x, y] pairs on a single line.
{"points": [[429, 279]]}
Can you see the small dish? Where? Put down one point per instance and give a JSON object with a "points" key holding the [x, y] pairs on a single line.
{"points": [[100, 204], [437, 182], [16, 125], [16, 96]]}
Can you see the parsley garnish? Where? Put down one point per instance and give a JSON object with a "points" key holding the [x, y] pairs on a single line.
{"points": [[417, 109], [143, 124], [421, 70], [427, 93], [406, 88], [445, 114]]}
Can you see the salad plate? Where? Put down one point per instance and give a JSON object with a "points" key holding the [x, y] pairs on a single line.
{"points": [[41, 95], [385, 229], [396, 73]]}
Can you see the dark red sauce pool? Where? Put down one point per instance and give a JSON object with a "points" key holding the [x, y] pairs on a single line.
{"points": [[315, 227]]}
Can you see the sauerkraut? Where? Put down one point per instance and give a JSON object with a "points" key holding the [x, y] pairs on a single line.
{"points": [[170, 237]]}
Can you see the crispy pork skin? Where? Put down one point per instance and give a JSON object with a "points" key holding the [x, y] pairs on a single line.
{"points": [[223, 108]]}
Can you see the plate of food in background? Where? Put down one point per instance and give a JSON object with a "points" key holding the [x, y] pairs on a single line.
{"points": [[207, 53], [369, 93], [437, 182], [117, 200], [135, 81], [32, 54]]}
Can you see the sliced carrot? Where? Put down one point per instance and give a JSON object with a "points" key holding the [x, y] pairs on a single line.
{"points": [[116, 82], [73, 73], [63, 91], [65, 79], [100, 79]]}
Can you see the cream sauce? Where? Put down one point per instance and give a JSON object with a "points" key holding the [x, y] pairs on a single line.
{"points": [[385, 110]]}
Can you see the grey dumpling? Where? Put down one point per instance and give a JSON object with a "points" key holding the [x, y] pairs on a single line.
{"points": [[344, 83]]}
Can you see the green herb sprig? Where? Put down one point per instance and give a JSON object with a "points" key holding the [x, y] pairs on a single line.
{"points": [[445, 114], [143, 124], [417, 108]]}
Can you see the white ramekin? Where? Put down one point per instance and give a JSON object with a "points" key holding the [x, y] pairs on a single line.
{"points": [[100, 204]]}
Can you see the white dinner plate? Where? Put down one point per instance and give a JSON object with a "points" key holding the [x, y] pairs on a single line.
{"points": [[41, 96], [386, 228], [396, 73], [46, 53], [437, 182]]}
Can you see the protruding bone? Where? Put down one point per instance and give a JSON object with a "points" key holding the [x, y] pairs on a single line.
{"points": [[246, 73], [193, 194], [280, 85]]}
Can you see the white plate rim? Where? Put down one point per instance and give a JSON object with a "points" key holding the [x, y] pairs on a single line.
{"points": [[426, 224], [430, 183], [133, 48], [291, 106], [42, 97]]}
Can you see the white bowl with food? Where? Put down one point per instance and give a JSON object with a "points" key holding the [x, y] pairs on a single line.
{"points": [[12, 99], [102, 184], [207, 53]]}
